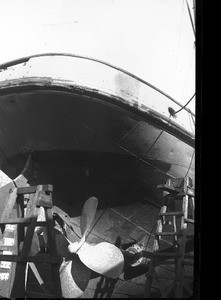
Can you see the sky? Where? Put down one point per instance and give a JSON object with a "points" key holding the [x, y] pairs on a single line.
{"points": [[152, 39]]}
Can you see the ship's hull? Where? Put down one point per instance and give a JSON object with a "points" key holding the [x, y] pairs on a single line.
{"points": [[95, 120]]}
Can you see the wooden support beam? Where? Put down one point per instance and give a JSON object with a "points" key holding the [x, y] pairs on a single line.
{"points": [[25, 221], [172, 233], [32, 189], [53, 249], [36, 295], [44, 200], [31, 211], [173, 213], [44, 258]]}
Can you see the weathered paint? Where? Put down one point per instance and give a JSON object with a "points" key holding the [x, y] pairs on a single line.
{"points": [[89, 74], [64, 103]]}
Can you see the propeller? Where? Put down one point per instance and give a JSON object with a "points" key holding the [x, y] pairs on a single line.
{"points": [[80, 257], [74, 274], [103, 258]]}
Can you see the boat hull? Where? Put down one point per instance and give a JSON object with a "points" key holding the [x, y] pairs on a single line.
{"points": [[105, 124]]}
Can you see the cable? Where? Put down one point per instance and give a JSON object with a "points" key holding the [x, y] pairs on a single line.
{"points": [[193, 120], [178, 51], [27, 164], [189, 72], [144, 154], [96, 222], [156, 139], [176, 112], [72, 119], [191, 19], [190, 164], [140, 157]]}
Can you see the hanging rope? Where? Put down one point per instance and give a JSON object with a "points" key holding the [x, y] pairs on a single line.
{"points": [[191, 19], [190, 164], [172, 112], [178, 51]]}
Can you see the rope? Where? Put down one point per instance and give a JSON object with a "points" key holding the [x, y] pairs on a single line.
{"points": [[191, 19], [178, 51], [183, 107], [142, 155], [72, 119], [190, 164]]}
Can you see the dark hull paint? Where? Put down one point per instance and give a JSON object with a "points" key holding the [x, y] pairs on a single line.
{"points": [[101, 117], [120, 145]]}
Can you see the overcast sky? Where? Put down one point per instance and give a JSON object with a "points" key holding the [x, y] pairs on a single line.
{"points": [[151, 38]]}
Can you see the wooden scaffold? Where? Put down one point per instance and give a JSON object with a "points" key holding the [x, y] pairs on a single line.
{"points": [[176, 213]]}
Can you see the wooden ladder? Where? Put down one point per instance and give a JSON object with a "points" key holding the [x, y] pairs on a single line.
{"points": [[19, 243], [181, 214]]}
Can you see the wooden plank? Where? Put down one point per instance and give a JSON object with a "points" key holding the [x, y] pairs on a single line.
{"points": [[172, 233], [44, 258], [16, 221], [164, 254], [61, 217], [18, 290], [30, 294], [149, 280], [189, 263], [32, 189], [32, 212], [44, 200], [24, 221], [162, 262], [10, 202], [189, 221], [39, 279], [20, 215], [7, 286], [53, 249], [173, 213], [162, 277], [168, 188], [192, 206], [189, 192]]}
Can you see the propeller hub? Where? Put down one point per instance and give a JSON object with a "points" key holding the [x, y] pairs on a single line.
{"points": [[103, 258], [73, 247]]}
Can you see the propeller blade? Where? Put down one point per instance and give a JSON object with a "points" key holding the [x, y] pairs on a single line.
{"points": [[87, 215], [74, 275], [104, 258], [74, 278]]}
